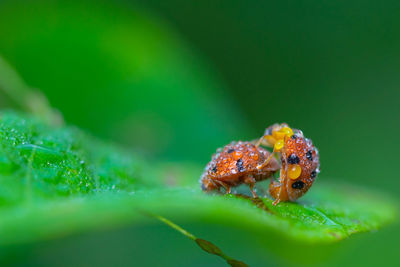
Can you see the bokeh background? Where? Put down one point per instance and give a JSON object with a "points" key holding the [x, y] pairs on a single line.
{"points": [[174, 80]]}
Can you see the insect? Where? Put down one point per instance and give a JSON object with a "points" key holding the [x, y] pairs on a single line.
{"points": [[299, 161], [238, 163]]}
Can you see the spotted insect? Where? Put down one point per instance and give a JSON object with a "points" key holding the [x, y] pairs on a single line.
{"points": [[238, 163], [299, 162]]}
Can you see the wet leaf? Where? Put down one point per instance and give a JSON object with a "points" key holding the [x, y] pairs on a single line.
{"points": [[56, 181]]}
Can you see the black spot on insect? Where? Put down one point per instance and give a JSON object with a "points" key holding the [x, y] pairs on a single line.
{"points": [[298, 185], [293, 159], [309, 155], [239, 165], [294, 137], [214, 169], [268, 131], [313, 174], [230, 150]]}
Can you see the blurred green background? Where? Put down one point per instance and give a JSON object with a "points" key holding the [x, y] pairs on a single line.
{"points": [[174, 80]]}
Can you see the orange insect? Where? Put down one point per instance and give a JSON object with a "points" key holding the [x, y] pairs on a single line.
{"points": [[299, 159], [238, 163]]}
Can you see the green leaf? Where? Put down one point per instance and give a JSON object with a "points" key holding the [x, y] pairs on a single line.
{"points": [[58, 180], [52, 162]]}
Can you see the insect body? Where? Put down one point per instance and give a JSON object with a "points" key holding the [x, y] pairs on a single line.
{"points": [[238, 163], [300, 162]]}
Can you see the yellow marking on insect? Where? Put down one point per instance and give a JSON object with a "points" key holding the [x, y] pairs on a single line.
{"points": [[294, 171], [287, 131], [270, 139], [278, 145], [278, 135]]}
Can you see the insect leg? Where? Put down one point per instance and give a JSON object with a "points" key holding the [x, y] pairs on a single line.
{"points": [[251, 182], [260, 141], [283, 179], [225, 185], [259, 167]]}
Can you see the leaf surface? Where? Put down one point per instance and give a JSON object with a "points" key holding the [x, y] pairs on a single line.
{"points": [[56, 181]]}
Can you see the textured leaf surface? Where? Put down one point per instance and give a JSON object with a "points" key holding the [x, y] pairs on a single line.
{"points": [[56, 181]]}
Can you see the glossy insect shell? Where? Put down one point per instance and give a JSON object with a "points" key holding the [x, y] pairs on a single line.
{"points": [[236, 161], [298, 150]]}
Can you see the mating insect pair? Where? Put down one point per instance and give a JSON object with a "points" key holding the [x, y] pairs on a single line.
{"points": [[248, 163]]}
